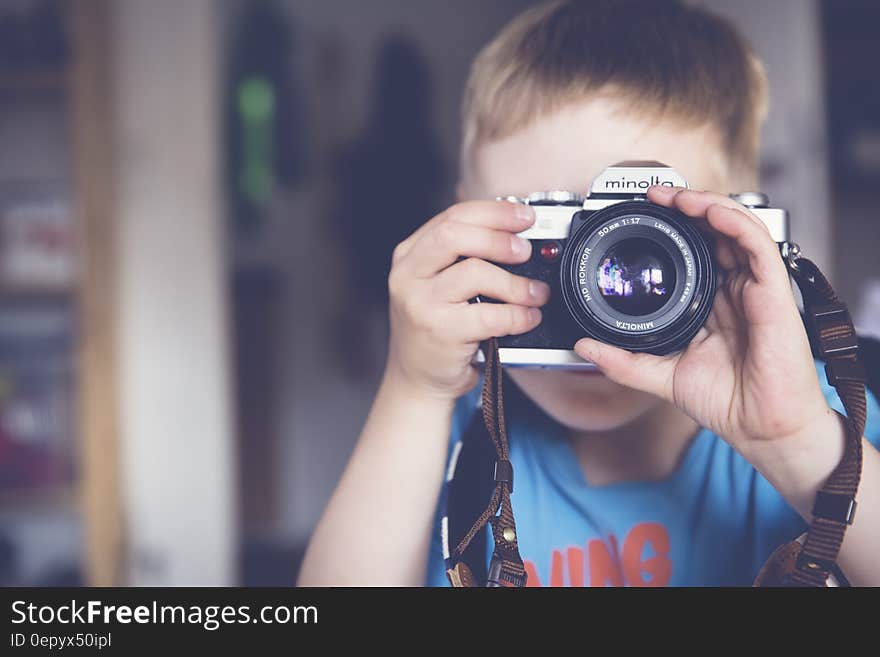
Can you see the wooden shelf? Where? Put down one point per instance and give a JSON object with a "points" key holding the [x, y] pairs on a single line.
{"points": [[24, 80]]}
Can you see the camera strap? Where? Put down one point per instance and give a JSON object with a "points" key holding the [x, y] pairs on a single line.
{"points": [[812, 559], [809, 561], [506, 566]]}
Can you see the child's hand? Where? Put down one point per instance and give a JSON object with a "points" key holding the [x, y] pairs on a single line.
{"points": [[434, 330], [748, 374]]}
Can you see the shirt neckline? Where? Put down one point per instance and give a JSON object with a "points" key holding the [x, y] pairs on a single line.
{"points": [[562, 462]]}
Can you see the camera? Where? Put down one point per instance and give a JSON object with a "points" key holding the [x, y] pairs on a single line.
{"points": [[621, 269]]}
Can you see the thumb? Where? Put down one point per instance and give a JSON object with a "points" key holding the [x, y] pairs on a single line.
{"points": [[646, 372]]}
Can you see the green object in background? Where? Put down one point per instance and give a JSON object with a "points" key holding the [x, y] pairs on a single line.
{"points": [[264, 120], [256, 108]]}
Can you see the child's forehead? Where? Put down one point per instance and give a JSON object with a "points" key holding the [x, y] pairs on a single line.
{"points": [[568, 148]]}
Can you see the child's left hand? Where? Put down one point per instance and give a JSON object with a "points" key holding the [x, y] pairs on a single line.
{"points": [[748, 375]]}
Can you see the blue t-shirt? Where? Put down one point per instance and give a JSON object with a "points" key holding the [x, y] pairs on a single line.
{"points": [[712, 522]]}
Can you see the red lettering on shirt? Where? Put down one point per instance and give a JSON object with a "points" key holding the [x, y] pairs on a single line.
{"points": [[531, 574], [575, 558], [609, 566], [604, 566], [659, 567], [556, 569]]}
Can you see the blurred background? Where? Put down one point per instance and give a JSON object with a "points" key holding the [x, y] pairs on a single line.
{"points": [[197, 204]]}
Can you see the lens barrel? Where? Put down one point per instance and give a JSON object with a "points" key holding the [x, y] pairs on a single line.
{"points": [[638, 276]]}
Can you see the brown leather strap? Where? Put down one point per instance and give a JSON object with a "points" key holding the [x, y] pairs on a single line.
{"points": [[506, 566], [833, 337]]}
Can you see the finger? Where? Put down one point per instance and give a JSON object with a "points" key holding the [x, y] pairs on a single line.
{"points": [[752, 240], [646, 372], [726, 314], [664, 195], [469, 278], [500, 215], [727, 255], [480, 321], [447, 241], [749, 234], [696, 203]]}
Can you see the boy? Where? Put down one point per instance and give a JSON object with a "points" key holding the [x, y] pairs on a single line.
{"points": [[688, 469]]}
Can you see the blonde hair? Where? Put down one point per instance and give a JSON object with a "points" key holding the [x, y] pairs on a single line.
{"points": [[658, 56]]}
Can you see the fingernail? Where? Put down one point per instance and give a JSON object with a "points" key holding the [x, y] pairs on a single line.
{"points": [[524, 213], [519, 245], [534, 315], [539, 290]]}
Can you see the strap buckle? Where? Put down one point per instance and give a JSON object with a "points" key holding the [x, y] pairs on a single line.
{"points": [[845, 370], [837, 507], [812, 564], [501, 575], [832, 316], [504, 473]]}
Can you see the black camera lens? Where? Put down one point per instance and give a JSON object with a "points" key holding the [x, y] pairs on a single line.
{"points": [[638, 276]]}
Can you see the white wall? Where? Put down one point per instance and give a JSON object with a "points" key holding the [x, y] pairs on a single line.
{"points": [[179, 486], [787, 35]]}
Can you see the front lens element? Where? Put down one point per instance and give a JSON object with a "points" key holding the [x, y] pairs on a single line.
{"points": [[636, 277]]}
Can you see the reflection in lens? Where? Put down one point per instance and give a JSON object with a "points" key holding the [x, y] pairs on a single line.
{"points": [[636, 276]]}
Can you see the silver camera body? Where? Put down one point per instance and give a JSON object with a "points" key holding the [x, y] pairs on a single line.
{"points": [[567, 222]]}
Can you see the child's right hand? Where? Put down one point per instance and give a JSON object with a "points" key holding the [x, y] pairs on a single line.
{"points": [[435, 332]]}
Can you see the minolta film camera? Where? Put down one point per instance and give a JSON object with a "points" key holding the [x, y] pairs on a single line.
{"points": [[621, 269]]}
